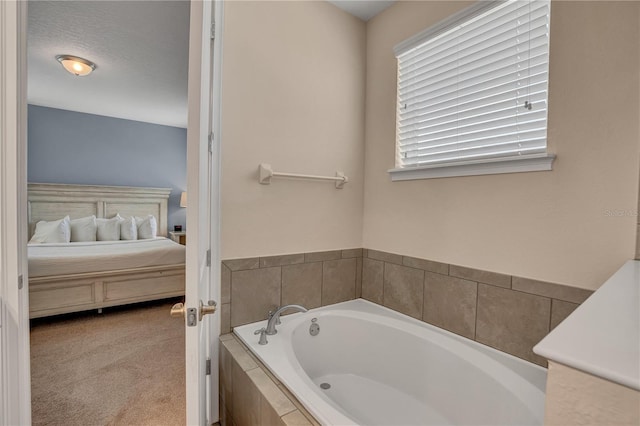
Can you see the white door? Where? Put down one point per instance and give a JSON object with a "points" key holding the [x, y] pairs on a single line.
{"points": [[202, 265], [202, 280], [15, 385]]}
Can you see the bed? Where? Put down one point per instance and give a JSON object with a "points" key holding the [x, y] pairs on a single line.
{"points": [[79, 276]]}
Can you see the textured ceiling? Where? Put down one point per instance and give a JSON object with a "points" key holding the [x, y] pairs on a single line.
{"points": [[141, 50]]}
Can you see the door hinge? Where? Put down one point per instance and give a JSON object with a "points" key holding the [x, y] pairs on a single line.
{"points": [[209, 257], [208, 367], [20, 282], [211, 137], [213, 30]]}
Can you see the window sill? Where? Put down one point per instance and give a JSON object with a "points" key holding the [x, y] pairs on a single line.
{"points": [[530, 163]]}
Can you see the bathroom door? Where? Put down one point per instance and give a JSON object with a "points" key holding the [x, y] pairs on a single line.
{"points": [[15, 385], [202, 286]]}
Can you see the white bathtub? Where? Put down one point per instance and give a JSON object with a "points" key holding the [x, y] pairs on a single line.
{"points": [[385, 368]]}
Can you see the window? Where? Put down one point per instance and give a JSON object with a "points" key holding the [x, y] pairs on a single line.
{"points": [[472, 93]]}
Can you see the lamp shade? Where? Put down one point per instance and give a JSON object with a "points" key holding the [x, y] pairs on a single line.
{"points": [[183, 199]]}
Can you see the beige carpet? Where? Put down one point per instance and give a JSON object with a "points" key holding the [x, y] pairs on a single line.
{"points": [[122, 367]]}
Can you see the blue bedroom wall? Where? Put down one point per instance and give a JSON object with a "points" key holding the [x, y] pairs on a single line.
{"points": [[77, 148]]}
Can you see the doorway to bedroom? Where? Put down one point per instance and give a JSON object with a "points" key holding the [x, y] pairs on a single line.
{"points": [[107, 173]]}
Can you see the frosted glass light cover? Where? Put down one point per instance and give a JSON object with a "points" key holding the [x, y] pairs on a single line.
{"points": [[76, 65]]}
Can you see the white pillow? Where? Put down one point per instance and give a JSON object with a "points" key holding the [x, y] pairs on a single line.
{"points": [[109, 229], [83, 229], [128, 228], [57, 231], [147, 227]]}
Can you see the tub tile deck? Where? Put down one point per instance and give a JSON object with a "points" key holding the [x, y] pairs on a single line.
{"points": [[250, 394]]}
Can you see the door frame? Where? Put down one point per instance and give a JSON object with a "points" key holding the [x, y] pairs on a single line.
{"points": [[15, 368], [203, 180], [15, 365]]}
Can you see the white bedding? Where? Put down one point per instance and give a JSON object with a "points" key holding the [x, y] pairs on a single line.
{"points": [[100, 256]]}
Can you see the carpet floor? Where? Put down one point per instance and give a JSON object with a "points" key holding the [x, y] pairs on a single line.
{"points": [[122, 367]]}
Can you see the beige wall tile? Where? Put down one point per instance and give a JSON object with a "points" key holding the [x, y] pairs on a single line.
{"points": [[295, 419], [253, 294], [338, 281], [638, 241], [555, 291], [357, 252], [403, 289], [225, 318], [225, 416], [298, 405], [242, 264], [270, 392], [450, 303], [268, 415], [225, 284], [358, 277], [384, 256], [477, 275], [302, 284], [226, 367], [427, 265], [319, 256], [286, 259], [372, 280], [560, 310], [228, 336], [512, 321], [240, 354], [245, 408], [275, 400]]}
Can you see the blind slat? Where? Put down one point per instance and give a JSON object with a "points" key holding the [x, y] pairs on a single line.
{"points": [[461, 126], [477, 89], [535, 53], [432, 61], [481, 99]]}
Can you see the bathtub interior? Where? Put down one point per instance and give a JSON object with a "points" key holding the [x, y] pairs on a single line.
{"points": [[377, 374], [368, 365]]}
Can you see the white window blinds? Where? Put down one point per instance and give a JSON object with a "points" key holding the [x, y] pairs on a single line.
{"points": [[475, 87]]}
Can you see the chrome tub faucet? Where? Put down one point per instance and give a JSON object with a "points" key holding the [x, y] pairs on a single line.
{"points": [[274, 318]]}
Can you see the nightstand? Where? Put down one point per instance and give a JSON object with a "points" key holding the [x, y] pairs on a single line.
{"points": [[179, 237]]}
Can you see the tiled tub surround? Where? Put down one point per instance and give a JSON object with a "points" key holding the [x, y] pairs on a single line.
{"points": [[508, 313], [250, 394], [251, 287]]}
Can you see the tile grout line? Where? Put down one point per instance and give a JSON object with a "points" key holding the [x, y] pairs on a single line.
{"points": [[384, 270], [424, 278], [550, 315], [322, 285], [475, 321], [280, 285]]}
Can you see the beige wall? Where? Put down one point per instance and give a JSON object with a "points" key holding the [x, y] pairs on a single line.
{"points": [[292, 97], [551, 226]]}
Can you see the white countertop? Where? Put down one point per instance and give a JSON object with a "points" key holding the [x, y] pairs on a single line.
{"points": [[602, 336]]}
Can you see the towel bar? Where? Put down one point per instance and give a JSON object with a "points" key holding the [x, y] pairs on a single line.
{"points": [[266, 173]]}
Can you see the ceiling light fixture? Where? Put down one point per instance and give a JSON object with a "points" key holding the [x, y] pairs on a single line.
{"points": [[75, 65]]}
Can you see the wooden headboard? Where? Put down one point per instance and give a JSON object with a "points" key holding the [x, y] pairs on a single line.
{"points": [[52, 201]]}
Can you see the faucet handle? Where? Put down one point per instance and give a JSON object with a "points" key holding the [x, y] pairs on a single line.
{"points": [[263, 336], [278, 322]]}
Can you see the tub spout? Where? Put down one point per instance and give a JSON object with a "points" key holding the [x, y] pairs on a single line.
{"points": [[275, 318]]}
